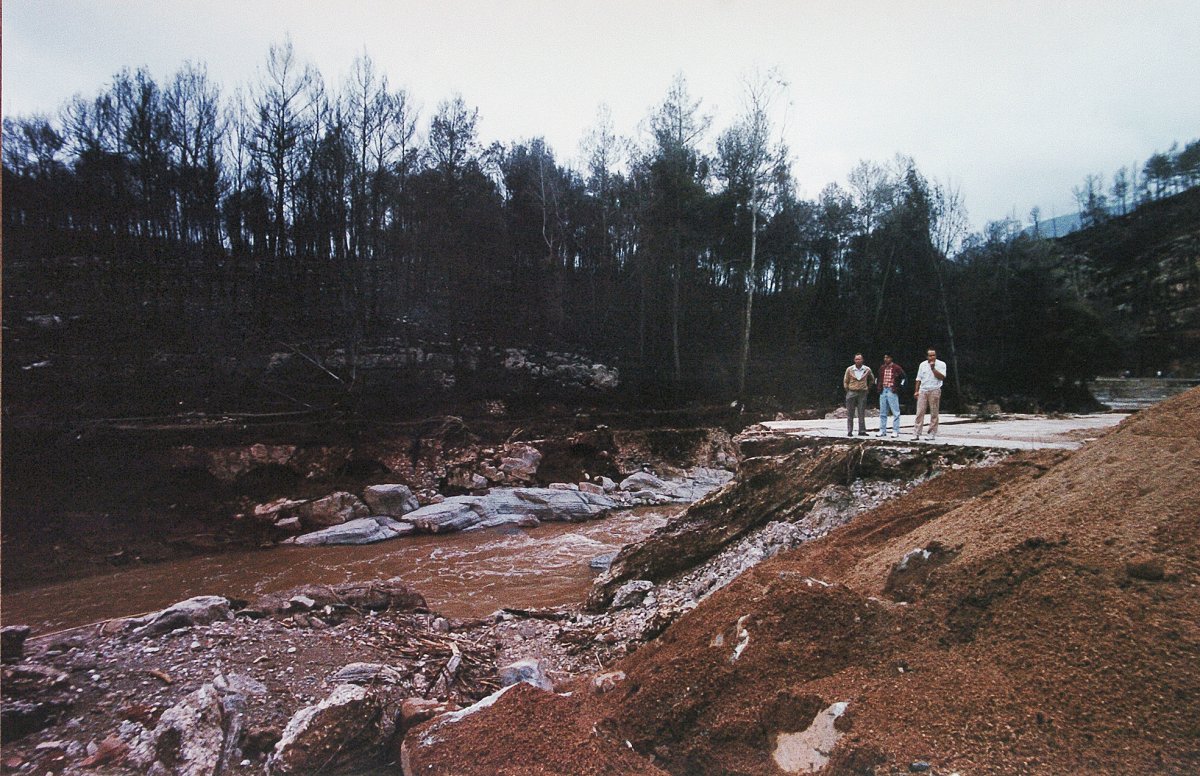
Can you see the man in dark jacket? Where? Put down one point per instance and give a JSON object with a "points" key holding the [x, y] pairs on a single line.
{"points": [[891, 377]]}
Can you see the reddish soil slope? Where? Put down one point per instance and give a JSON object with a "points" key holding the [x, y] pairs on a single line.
{"points": [[1052, 625]]}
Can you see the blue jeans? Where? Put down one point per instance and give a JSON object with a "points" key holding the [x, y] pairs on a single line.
{"points": [[889, 403]]}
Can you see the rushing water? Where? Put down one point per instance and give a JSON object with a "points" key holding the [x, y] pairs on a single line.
{"points": [[462, 575]]}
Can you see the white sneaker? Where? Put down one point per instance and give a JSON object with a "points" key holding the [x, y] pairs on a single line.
{"points": [[917, 437], [933, 437], [881, 434], [895, 435]]}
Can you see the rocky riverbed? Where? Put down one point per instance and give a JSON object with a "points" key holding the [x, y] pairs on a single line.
{"points": [[137, 494]]}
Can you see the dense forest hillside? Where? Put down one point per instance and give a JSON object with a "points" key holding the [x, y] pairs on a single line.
{"points": [[1142, 272], [305, 246]]}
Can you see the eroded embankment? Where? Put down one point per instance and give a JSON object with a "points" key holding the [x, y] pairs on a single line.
{"points": [[1046, 624]]}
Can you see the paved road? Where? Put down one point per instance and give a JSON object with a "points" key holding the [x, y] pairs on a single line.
{"points": [[1018, 432]]}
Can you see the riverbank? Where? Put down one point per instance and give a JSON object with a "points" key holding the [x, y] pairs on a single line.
{"points": [[82, 502]]}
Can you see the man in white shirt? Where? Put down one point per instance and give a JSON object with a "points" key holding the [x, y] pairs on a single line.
{"points": [[929, 393]]}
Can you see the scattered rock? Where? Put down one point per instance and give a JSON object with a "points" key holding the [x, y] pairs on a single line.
{"points": [[189, 738], [375, 595], [110, 751], [414, 711], [519, 521], [34, 697], [631, 593], [520, 462], [644, 481], [454, 514], [590, 487], [334, 509], [363, 530], [607, 682], [199, 610], [508, 505], [341, 732], [601, 562], [12, 642], [260, 740], [465, 479], [392, 500], [565, 368], [272, 511], [239, 683], [549, 504], [289, 524], [367, 673], [783, 489], [529, 671], [698, 483]]}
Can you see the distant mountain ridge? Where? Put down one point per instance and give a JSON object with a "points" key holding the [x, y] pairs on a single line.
{"points": [[1061, 226]]}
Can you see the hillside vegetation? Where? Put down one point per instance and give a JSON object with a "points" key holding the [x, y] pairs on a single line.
{"points": [[310, 245]]}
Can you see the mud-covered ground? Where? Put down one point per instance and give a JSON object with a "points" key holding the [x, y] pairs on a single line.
{"points": [[102, 691]]}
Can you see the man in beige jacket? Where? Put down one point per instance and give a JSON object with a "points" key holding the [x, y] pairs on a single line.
{"points": [[857, 381]]}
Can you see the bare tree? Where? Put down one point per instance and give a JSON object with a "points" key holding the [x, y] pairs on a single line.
{"points": [[285, 103], [601, 148], [192, 104], [382, 125], [1093, 204], [754, 162], [949, 226], [453, 140], [1120, 189], [874, 189], [677, 124]]}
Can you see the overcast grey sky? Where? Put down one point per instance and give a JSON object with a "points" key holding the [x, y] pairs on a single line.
{"points": [[1012, 102]]}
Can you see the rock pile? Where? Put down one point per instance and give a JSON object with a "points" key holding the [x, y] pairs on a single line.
{"points": [[292, 683], [389, 511]]}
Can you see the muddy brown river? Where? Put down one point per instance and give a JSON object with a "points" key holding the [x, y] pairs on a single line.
{"points": [[461, 575]]}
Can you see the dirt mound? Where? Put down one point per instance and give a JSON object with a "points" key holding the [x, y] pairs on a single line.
{"points": [[1047, 625], [767, 489], [562, 741]]}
